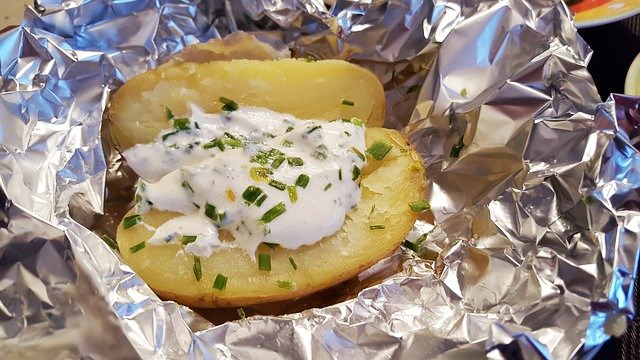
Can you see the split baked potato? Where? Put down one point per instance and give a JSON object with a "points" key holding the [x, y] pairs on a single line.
{"points": [[308, 90]]}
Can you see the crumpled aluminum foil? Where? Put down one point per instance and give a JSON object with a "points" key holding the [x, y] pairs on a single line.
{"points": [[532, 181]]}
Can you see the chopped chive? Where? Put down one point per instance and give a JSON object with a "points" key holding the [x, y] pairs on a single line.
{"points": [[261, 199], [419, 206], [195, 124], [273, 213], [210, 212], [260, 173], [251, 194], [289, 129], [302, 180], [137, 247], [293, 194], [278, 185], [376, 227], [214, 143], [130, 221], [340, 174], [293, 263], [348, 102], [411, 246], [285, 284], [355, 173], [455, 150], [355, 121], [197, 268], [413, 89], [320, 153], [373, 208], [287, 143], [327, 187], [347, 133], [185, 185], [110, 242], [357, 152], [169, 113], [220, 282], [310, 58], [264, 261], [181, 124], [187, 239], [241, 313], [271, 245], [277, 162], [166, 136], [222, 216], [232, 141], [379, 149], [463, 92], [314, 128], [228, 104], [295, 161]]}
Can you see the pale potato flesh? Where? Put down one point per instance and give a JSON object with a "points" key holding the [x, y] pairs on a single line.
{"points": [[307, 90], [390, 185]]}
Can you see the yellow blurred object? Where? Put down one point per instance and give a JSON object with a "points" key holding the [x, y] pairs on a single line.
{"points": [[632, 82]]}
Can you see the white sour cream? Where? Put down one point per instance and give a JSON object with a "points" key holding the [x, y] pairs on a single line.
{"points": [[227, 172]]}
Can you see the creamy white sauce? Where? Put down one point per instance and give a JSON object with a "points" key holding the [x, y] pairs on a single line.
{"points": [[184, 171]]}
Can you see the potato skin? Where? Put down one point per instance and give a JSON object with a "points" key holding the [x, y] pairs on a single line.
{"points": [[307, 90], [389, 184]]}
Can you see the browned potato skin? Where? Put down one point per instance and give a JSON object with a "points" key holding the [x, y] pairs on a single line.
{"points": [[286, 85], [389, 184]]}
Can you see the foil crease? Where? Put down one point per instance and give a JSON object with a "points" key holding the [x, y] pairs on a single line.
{"points": [[533, 183]]}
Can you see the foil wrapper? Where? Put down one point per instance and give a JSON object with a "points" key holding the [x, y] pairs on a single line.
{"points": [[533, 182]]}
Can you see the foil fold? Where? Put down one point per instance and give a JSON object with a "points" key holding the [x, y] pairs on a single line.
{"points": [[532, 181]]}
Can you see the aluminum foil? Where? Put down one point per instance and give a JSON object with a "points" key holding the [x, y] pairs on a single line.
{"points": [[533, 183]]}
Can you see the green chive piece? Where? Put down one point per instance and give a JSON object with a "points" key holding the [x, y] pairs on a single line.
{"points": [[232, 141], [464, 92], [132, 220], [355, 173], [455, 150], [419, 206], [228, 104], [287, 143], [289, 129], [273, 213], [347, 133], [293, 194], [137, 247], [340, 174], [264, 261], [214, 143], [327, 187], [197, 268], [376, 227], [277, 184], [187, 239], [241, 313], [277, 162], [210, 212], [271, 245], [181, 124], [261, 199], [185, 185], [284, 284], [314, 128], [293, 263], [302, 180], [110, 242], [169, 113], [220, 282], [411, 246], [320, 153], [379, 149], [295, 161], [355, 121], [260, 173], [413, 89], [310, 58], [251, 194], [166, 136], [357, 152], [347, 102]]}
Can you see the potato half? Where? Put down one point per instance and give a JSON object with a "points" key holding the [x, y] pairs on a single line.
{"points": [[307, 90], [388, 186]]}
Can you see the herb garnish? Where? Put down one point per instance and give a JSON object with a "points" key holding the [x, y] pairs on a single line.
{"points": [[287, 143], [314, 128], [137, 247], [187, 239], [285, 284], [376, 227], [278, 185], [251, 194], [166, 136], [185, 185], [293, 263], [181, 124], [273, 213], [348, 102], [197, 268], [260, 173], [220, 282], [271, 245], [277, 162], [214, 143], [293, 194], [260, 200], [228, 104], [379, 149], [110, 242], [295, 161], [241, 313], [327, 187], [302, 180], [355, 173], [130, 221], [419, 206], [357, 152], [264, 261]]}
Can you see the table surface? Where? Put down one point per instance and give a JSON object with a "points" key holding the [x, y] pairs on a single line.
{"points": [[614, 45]]}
